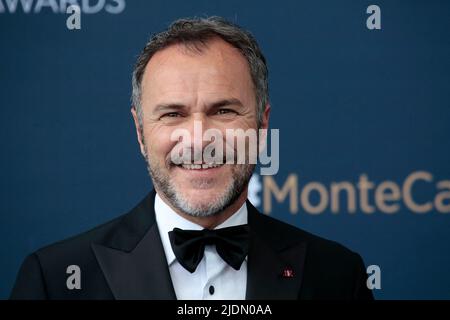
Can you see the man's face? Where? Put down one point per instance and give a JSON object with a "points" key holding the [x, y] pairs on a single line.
{"points": [[212, 87]]}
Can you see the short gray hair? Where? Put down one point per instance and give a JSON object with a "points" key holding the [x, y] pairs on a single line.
{"points": [[194, 33]]}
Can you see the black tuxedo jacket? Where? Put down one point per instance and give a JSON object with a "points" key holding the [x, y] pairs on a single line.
{"points": [[124, 259]]}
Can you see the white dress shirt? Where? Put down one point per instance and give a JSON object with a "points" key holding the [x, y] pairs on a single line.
{"points": [[226, 282]]}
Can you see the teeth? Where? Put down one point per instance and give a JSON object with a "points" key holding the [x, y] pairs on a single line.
{"points": [[200, 166], [211, 165]]}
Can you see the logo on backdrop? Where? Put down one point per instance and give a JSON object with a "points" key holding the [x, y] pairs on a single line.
{"points": [[61, 6], [419, 193]]}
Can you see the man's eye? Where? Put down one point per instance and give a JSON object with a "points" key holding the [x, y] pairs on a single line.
{"points": [[225, 111], [170, 115]]}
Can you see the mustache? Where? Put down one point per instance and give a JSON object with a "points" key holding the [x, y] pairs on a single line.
{"points": [[191, 155], [199, 158]]}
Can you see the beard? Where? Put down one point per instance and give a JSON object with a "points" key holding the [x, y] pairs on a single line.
{"points": [[240, 177]]}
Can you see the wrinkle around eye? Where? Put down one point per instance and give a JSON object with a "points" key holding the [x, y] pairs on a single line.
{"points": [[226, 111], [170, 115]]}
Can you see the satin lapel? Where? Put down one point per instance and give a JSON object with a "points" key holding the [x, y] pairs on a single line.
{"points": [[140, 274], [275, 261], [133, 259]]}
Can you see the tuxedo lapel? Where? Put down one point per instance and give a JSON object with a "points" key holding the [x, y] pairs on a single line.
{"points": [[133, 261], [132, 258], [275, 260]]}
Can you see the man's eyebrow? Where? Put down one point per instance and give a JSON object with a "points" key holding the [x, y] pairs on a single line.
{"points": [[179, 106], [226, 102], [169, 106]]}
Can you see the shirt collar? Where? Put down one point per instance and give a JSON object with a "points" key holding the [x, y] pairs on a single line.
{"points": [[167, 219]]}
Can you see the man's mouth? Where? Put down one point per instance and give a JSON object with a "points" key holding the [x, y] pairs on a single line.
{"points": [[200, 166]]}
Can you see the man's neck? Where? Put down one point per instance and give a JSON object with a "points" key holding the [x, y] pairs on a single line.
{"points": [[212, 221]]}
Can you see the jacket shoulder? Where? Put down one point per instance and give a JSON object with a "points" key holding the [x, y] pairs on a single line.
{"points": [[44, 273], [331, 270]]}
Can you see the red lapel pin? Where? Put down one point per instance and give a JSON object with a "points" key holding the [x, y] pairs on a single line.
{"points": [[288, 273]]}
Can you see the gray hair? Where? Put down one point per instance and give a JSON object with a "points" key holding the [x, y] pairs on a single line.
{"points": [[194, 33]]}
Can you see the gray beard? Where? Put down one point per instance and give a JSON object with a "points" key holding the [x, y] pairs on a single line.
{"points": [[241, 175]]}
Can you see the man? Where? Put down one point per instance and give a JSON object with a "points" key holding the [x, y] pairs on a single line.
{"points": [[196, 236]]}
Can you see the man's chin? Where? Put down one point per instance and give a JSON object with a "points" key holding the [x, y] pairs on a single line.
{"points": [[202, 197], [200, 194], [201, 202]]}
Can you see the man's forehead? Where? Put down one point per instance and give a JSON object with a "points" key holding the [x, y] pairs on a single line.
{"points": [[214, 47], [218, 63], [215, 55]]}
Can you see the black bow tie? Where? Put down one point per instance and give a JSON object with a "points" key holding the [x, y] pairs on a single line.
{"points": [[231, 244]]}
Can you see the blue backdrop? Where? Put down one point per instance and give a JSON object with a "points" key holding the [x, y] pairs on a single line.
{"points": [[348, 101]]}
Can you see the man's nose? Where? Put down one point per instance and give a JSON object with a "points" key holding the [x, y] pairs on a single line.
{"points": [[197, 125]]}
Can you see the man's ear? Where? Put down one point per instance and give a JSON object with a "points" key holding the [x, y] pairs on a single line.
{"points": [[139, 132], [265, 118], [264, 125]]}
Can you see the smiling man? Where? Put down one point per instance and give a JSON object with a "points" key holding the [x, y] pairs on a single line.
{"points": [[208, 83], [196, 236]]}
